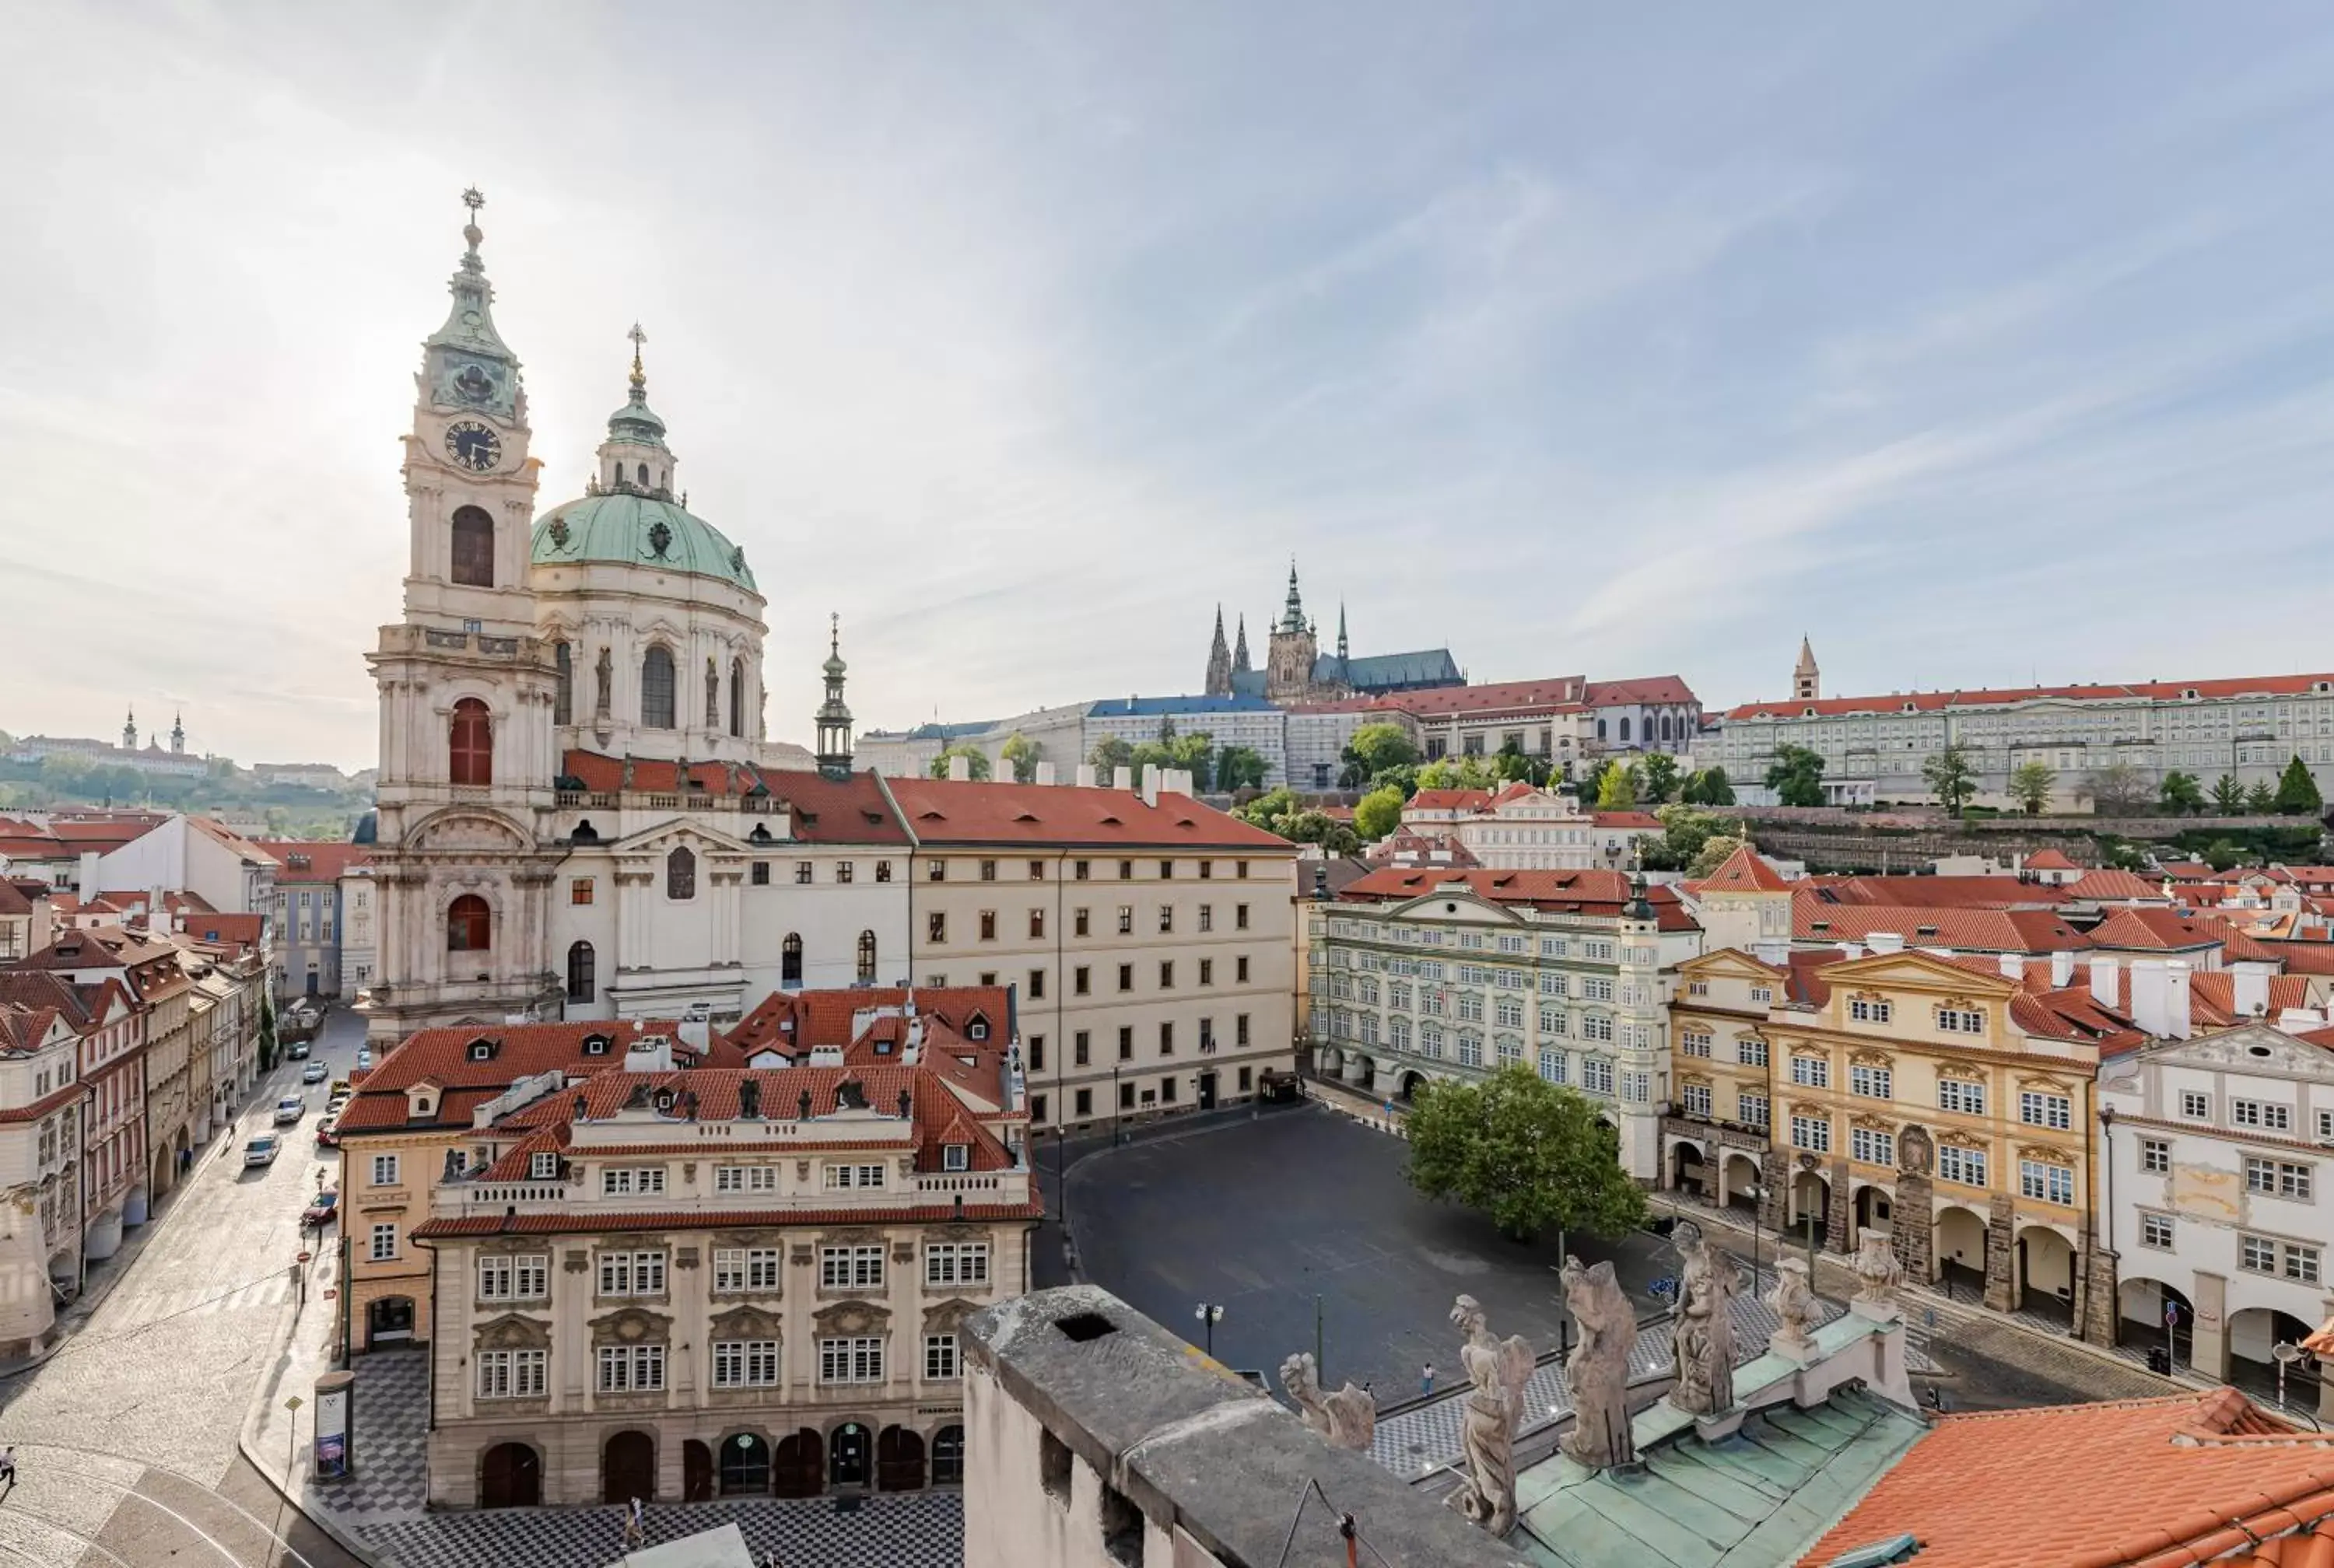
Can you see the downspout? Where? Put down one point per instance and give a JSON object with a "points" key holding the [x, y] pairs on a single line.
{"points": [[429, 1361]]}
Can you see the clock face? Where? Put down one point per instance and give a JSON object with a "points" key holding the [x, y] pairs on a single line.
{"points": [[473, 446]]}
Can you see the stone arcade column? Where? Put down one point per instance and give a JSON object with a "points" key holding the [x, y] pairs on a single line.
{"points": [[2101, 1290], [2000, 1262], [1839, 1218], [2209, 1346], [1914, 1229], [1775, 1173]]}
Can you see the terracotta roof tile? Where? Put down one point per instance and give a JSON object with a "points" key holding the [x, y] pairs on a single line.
{"points": [[1449, 800], [2109, 886], [301, 863], [1979, 930], [941, 812], [2050, 860], [2022, 1488], [1653, 688], [1549, 693], [1936, 701], [1743, 872], [1586, 892]]}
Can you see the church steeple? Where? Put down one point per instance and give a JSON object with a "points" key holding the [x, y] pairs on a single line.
{"points": [[467, 364], [1292, 612], [1219, 661], [833, 718], [1806, 680], [634, 460], [178, 734], [1240, 665], [130, 731], [1341, 631]]}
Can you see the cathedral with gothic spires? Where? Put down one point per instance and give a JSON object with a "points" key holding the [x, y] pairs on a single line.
{"points": [[1297, 672]]}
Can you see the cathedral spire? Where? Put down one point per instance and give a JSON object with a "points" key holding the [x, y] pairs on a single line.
{"points": [[130, 731], [179, 733], [1341, 631], [1292, 612], [1219, 661], [1240, 665], [833, 718]]}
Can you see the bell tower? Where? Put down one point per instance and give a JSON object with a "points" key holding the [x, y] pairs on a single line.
{"points": [[833, 718], [1807, 681], [1289, 662], [464, 858]]}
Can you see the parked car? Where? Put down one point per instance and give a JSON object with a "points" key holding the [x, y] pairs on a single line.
{"points": [[321, 1212], [290, 1109], [314, 1072], [328, 1131], [262, 1149], [364, 1058], [298, 1051]]}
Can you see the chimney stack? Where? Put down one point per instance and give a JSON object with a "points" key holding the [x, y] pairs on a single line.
{"points": [[2175, 998], [1150, 783], [2106, 976], [1121, 778], [2013, 966], [1045, 772], [2251, 982], [1087, 775], [1851, 951], [2150, 1009], [960, 769], [2062, 969], [1885, 941]]}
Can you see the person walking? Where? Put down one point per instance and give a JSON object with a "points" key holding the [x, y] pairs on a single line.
{"points": [[635, 1530], [1426, 1379], [9, 1467]]}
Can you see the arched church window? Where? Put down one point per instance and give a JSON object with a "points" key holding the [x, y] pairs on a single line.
{"points": [[866, 957], [712, 695], [473, 548], [790, 960], [644, 475], [563, 696], [656, 690], [470, 743], [1665, 727], [470, 925], [583, 977], [1625, 729], [681, 875], [737, 696]]}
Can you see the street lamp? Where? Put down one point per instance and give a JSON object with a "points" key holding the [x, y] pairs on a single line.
{"points": [[1757, 1207], [2286, 1352], [1209, 1316], [1807, 1163]]}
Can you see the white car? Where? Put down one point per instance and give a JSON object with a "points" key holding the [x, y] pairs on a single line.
{"points": [[364, 1057], [262, 1149], [290, 1109]]}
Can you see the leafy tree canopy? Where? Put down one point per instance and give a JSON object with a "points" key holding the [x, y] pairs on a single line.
{"points": [[1796, 775], [2182, 794], [1615, 790], [976, 759], [1657, 778], [1239, 768], [1526, 1152], [2228, 796], [2030, 784], [2296, 792], [1378, 813], [1023, 755], [1951, 778]]}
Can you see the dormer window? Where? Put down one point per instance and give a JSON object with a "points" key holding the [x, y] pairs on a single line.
{"points": [[956, 1157], [419, 1101], [482, 1050], [595, 1044], [543, 1167], [978, 1029]]}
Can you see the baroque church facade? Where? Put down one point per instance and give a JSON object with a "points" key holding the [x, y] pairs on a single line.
{"points": [[1296, 673]]}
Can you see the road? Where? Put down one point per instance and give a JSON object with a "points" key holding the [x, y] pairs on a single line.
{"points": [[125, 1439]]}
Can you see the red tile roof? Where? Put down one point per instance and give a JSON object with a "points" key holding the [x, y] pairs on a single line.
{"points": [[1744, 872], [2107, 887], [2050, 860], [2194, 1479], [1936, 701], [229, 931], [1549, 693], [1448, 801], [1585, 892], [1936, 892], [1978, 931], [2213, 998], [852, 811], [2304, 957], [802, 1021], [941, 812], [1638, 820], [2166, 931], [1652, 689], [442, 1056], [299, 862]]}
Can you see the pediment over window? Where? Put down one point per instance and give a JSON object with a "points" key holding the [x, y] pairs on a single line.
{"points": [[513, 1332], [942, 1317], [629, 1327], [851, 1317], [745, 1322]]}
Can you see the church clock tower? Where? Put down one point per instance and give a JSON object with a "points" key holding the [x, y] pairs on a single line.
{"points": [[464, 863]]}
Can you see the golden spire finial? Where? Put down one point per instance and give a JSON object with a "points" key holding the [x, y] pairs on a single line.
{"points": [[640, 377]]}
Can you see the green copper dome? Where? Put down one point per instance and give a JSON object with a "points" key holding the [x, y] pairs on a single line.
{"points": [[638, 530]]}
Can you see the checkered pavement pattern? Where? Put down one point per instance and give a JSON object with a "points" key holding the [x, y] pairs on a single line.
{"points": [[909, 1530], [1428, 1437], [391, 1477]]}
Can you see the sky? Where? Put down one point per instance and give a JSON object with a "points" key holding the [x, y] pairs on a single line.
{"points": [[1981, 343]]}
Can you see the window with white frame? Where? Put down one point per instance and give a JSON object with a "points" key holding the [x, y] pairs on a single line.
{"points": [[858, 1359], [1470, 1050], [1694, 1042], [2195, 1105], [2040, 1108], [745, 1363], [631, 1274], [1555, 1020], [1596, 1074], [2045, 1182], [1869, 1009], [1811, 1072], [939, 1357], [1751, 1110], [2278, 1178], [745, 1178], [746, 1268], [1509, 1013], [1871, 1082], [1596, 988], [2257, 1255], [1963, 1020], [1595, 1026], [1751, 1051], [1872, 1146], [851, 1267], [2156, 1230], [1813, 1133], [631, 1368], [948, 1262], [623, 1182], [1636, 1087], [522, 1277], [1552, 1067], [1430, 1040], [840, 1177], [384, 1170], [2155, 1157], [384, 1243], [2301, 1264], [1695, 1099], [511, 1374], [543, 1167], [1555, 983], [1960, 1095], [2266, 1114], [1964, 1167]]}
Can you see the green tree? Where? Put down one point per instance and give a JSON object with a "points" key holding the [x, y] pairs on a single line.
{"points": [[267, 1033], [2030, 784], [1466, 773], [1109, 755], [2296, 792], [1659, 776], [1197, 753], [2122, 855], [2228, 796], [1525, 1152], [1239, 768], [1796, 775], [1684, 831], [2181, 794], [2117, 790], [1378, 813], [2221, 854], [1714, 852], [1268, 810], [1374, 748], [1951, 779], [976, 759], [1709, 787], [1023, 755], [1149, 754], [1166, 728], [1615, 790], [1403, 778], [2261, 800]]}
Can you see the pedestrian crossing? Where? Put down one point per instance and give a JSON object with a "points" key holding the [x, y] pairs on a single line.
{"points": [[123, 1313]]}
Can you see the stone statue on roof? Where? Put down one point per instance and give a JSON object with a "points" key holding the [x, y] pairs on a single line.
{"points": [[1599, 1372], [1793, 1303], [1511, 1357], [1705, 1337], [1348, 1417], [1486, 1493]]}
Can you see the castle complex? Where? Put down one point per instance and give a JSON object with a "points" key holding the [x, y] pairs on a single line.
{"points": [[1294, 671]]}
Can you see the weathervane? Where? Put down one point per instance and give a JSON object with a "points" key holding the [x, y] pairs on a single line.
{"points": [[474, 200]]}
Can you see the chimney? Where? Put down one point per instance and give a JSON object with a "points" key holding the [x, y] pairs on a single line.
{"points": [[1851, 951], [1121, 778], [2250, 981], [2175, 998], [2013, 966], [1771, 950], [1151, 772], [2106, 975], [960, 769], [2149, 1008], [2062, 969], [1885, 941], [1045, 772], [697, 1033], [1087, 775], [2301, 1020], [87, 885]]}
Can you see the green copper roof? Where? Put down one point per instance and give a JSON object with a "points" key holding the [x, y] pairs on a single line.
{"points": [[637, 530]]}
